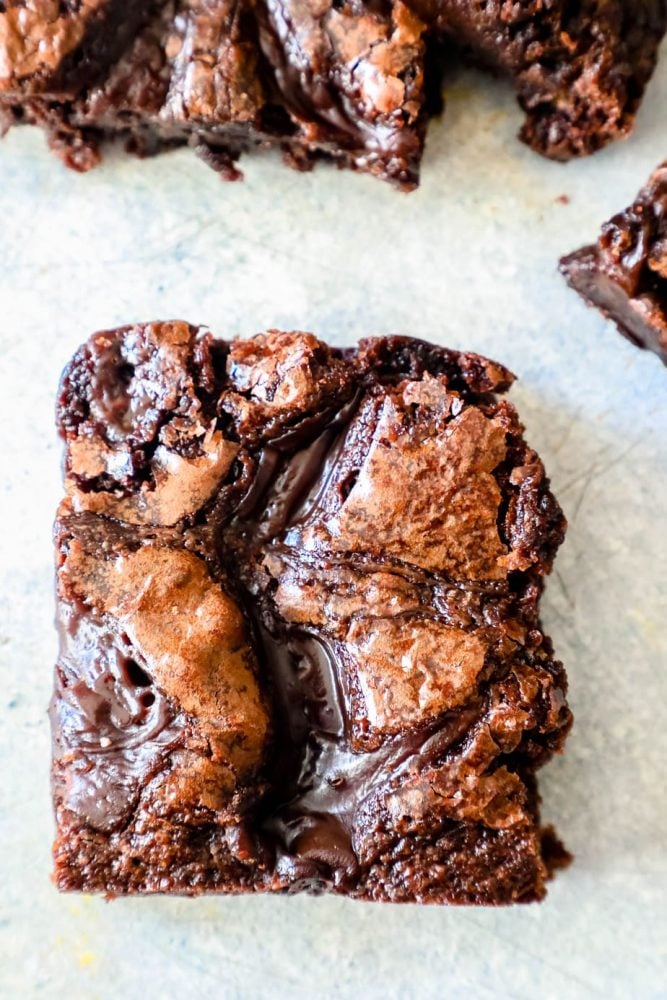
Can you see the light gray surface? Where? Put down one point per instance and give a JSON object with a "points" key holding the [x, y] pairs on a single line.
{"points": [[469, 260]]}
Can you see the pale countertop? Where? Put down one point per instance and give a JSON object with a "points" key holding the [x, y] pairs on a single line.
{"points": [[469, 260]]}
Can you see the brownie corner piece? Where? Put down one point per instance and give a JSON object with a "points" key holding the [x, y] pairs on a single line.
{"points": [[582, 87], [624, 274], [298, 605], [55, 49]]}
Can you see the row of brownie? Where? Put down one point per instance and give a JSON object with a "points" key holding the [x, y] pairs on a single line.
{"points": [[351, 81]]}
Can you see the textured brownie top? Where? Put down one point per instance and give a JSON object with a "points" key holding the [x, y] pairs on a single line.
{"points": [[624, 274], [194, 62], [57, 48], [298, 601]]}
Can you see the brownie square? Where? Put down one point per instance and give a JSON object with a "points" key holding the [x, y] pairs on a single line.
{"points": [[298, 605], [351, 76], [624, 274], [192, 77]]}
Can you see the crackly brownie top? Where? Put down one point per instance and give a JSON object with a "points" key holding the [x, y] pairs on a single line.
{"points": [[36, 35], [298, 597], [195, 62], [625, 272], [350, 67], [47, 46]]}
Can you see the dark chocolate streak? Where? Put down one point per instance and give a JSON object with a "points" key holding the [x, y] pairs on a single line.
{"points": [[322, 784], [317, 783], [288, 468], [116, 724]]}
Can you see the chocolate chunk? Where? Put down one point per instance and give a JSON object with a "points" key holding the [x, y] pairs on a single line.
{"points": [[624, 274], [298, 603]]}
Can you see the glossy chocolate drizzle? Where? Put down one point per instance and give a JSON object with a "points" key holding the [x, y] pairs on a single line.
{"points": [[113, 722], [319, 782]]}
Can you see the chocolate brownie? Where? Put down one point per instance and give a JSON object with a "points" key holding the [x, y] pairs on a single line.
{"points": [[55, 48], [624, 274], [344, 81], [190, 76], [580, 69], [351, 76], [351, 80], [298, 604]]}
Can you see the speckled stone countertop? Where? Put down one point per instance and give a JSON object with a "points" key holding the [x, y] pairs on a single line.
{"points": [[469, 260]]}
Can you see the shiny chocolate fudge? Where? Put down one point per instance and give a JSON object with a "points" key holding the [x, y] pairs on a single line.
{"points": [[298, 604], [624, 274]]}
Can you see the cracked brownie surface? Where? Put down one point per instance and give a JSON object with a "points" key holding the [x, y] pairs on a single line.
{"points": [[298, 604], [624, 274], [55, 48]]}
